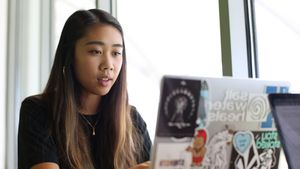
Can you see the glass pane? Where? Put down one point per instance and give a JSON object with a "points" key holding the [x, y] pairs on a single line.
{"points": [[278, 40], [62, 10], [179, 37]]}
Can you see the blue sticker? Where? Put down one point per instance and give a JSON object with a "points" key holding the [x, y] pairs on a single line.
{"points": [[242, 142], [268, 123], [271, 89], [284, 89]]}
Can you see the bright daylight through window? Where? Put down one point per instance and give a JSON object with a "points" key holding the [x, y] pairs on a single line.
{"points": [[168, 37]]}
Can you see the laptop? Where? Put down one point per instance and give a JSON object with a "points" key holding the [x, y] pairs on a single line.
{"points": [[216, 123], [286, 111]]}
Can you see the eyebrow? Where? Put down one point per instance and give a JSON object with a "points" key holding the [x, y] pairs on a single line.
{"points": [[102, 43]]}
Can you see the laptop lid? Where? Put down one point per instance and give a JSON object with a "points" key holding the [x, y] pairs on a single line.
{"points": [[228, 117], [286, 112]]}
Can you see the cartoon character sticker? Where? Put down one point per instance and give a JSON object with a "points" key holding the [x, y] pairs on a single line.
{"points": [[198, 148], [216, 156], [267, 158]]}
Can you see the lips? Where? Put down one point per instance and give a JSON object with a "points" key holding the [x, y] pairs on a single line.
{"points": [[104, 81]]}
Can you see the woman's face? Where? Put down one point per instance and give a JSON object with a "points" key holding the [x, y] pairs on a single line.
{"points": [[98, 59], [198, 142]]}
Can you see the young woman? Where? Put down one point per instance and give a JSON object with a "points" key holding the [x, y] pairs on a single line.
{"points": [[82, 120]]}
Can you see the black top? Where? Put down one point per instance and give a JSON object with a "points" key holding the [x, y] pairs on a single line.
{"points": [[36, 145]]}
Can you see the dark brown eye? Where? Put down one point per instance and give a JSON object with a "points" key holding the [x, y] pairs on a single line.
{"points": [[95, 52], [117, 54]]}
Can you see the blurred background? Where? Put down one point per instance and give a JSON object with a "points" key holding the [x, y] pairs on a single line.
{"points": [[239, 38]]}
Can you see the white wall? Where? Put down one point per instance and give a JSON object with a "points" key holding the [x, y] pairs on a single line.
{"points": [[3, 33]]}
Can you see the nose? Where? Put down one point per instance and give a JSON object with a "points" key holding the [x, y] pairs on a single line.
{"points": [[106, 68], [106, 64]]}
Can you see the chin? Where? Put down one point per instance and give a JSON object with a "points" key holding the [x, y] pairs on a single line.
{"points": [[100, 93], [103, 92]]}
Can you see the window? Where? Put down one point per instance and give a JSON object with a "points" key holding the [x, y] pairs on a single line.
{"points": [[62, 10], [167, 37], [278, 39]]}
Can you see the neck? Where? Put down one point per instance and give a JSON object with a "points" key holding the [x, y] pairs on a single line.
{"points": [[89, 104]]}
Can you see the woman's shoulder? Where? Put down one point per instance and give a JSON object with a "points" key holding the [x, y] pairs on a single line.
{"points": [[141, 127], [35, 142], [137, 119], [34, 102], [34, 107]]}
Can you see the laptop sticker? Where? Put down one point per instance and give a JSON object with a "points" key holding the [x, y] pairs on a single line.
{"points": [[216, 156], [255, 149], [178, 108]]}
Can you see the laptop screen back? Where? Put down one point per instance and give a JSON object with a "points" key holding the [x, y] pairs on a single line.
{"points": [[209, 122], [286, 112]]}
